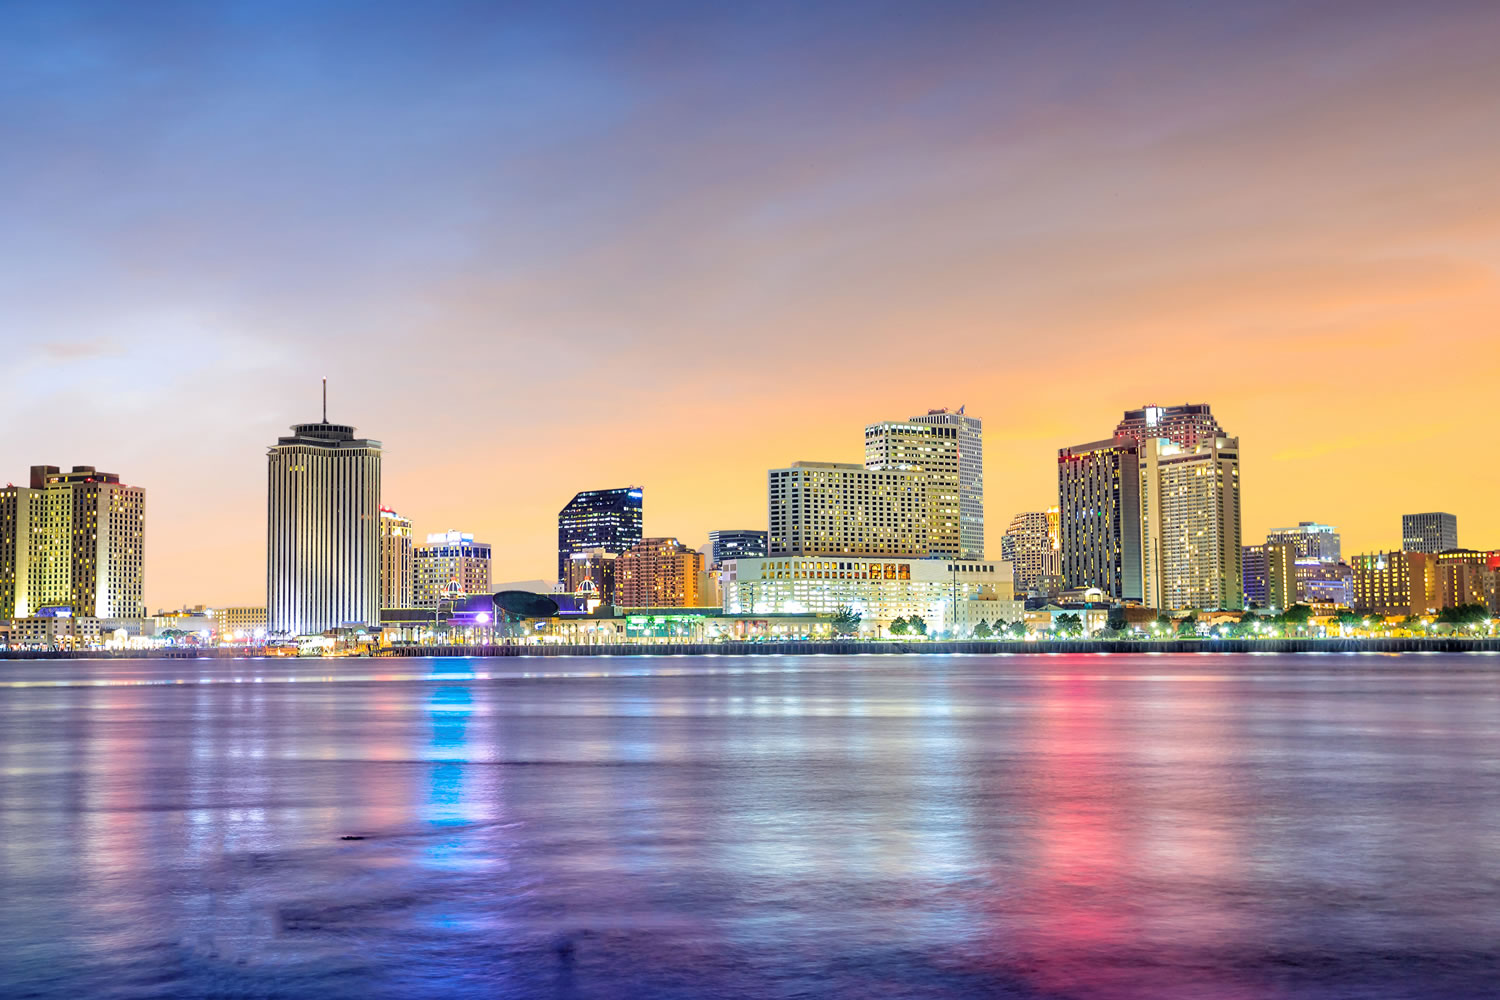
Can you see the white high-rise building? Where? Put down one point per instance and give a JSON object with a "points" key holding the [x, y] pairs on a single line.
{"points": [[833, 508], [72, 540], [931, 452], [397, 571], [323, 530], [970, 476], [1190, 524]]}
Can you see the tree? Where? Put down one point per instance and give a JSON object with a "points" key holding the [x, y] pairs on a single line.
{"points": [[899, 627], [1117, 621], [1297, 614], [916, 625], [1018, 629], [983, 630], [1464, 614], [1067, 625], [1189, 625], [845, 620], [1163, 624]]}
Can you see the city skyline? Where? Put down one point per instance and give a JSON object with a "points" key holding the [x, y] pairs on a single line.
{"points": [[1047, 222]]}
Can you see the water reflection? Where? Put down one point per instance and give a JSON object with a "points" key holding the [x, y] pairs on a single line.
{"points": [[949, 827]]}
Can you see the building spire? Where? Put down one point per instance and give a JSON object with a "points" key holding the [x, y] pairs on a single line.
{"points": [[325, 399]]}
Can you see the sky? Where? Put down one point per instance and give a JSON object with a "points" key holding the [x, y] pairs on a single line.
{"points": [[537, 251]]}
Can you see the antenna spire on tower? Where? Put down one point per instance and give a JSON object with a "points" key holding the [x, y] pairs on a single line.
{"points": [[325, 399]]}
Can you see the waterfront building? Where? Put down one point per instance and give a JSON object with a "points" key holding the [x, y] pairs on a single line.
{"points": [[1468, 576], [1396, 583], [397, 566], [970, 476], [592, 573], [736, 543], [836, 508], [451, 564], [1309, 540], [1431, 532], [1269, 576], [1188, 425], [1099, 501], [1324, 583], [72, 540], [931, 451], [1031, 545], [659, 572], [1190, 524], [599, 519], [323, 529], [946, 594], [239, 624]]}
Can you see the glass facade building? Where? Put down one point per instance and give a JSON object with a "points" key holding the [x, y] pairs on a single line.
{"points": [[599, 519]]}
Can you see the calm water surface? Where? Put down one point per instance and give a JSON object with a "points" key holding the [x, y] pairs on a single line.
{"points": [[1029, 826]]}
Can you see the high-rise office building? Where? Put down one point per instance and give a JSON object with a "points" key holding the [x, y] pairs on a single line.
{"points": [[1309, 540], [1190, 524], [451, 564], [1269, 576], [1188, 425], [1099, 518], [397, 571], [599, 519], [1153, 514], [1031, 546], [323, 530], [658, 573], [1396, 583], [736, 543], [72, 540], [970, 476], [833, 508], [933, 452], [1433, 532]]}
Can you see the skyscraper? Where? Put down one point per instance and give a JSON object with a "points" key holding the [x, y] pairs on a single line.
{"points": [[1190, 524], [1099, 496], [658, 573], [970, 476], [396, 568], [931, 452], [1031, 546], [451, 564], [737, 543], [323, 529], [835, 508], [599, 519], [1269, 575], [1187, 425], [72, 539], [1433, 532]]}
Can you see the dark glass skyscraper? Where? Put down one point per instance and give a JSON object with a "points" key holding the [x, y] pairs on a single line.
{"points": [[735, 544], [598, 519]]}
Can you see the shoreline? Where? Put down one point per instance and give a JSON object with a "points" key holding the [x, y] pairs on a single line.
{"points": [[1437, 644]]}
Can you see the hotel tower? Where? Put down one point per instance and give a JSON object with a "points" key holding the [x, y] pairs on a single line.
{"points": [[323, 529]]}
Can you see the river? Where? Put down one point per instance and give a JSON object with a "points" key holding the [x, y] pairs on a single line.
{"points": [[1089, 826]]}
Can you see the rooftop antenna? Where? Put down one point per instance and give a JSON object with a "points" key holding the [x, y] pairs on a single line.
{"points": [[325, 399]]}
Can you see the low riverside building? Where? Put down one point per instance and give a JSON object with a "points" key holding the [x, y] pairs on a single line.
{"points": [[947, 594]]}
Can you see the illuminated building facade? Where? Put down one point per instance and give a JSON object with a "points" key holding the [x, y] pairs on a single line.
{"points": [[1190, 524], [323, 530], [1432, 532], [72, 540], [599, 519], [1099, 524], [1396, 583], [970, 432], [239, 624], [946, 594], [450, 565], [932, 452], [397, 565], [1468, 576], [1325, 583], [659, 573], [1309, 540], [735, 544], [1269, 576], [1188, 425], [593, 573], [1031, 545], [835, 508]]}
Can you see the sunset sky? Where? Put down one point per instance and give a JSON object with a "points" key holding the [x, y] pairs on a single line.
{"points": [[675, 245]]}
